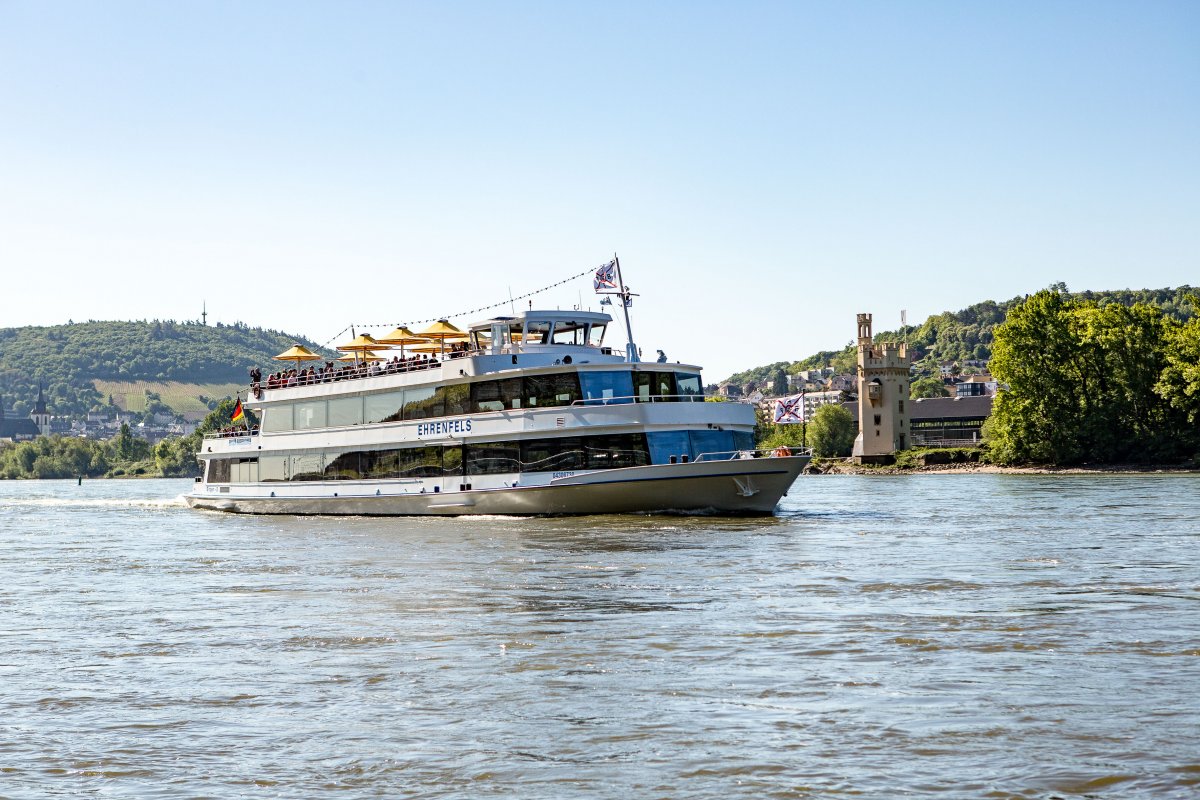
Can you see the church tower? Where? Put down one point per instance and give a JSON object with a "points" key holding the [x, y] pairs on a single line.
{"points": [[40, 416], [882, 397]]}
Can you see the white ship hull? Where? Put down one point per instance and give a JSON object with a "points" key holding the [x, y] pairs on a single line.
{"points": [[736, 486]]}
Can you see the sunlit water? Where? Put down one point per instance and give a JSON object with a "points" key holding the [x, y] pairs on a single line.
{"points": [[927, 636]]}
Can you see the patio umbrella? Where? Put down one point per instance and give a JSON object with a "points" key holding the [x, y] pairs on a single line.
{"points": [[443, 331], [297, 353], [364, 356], [402, 336], [360, 344]]}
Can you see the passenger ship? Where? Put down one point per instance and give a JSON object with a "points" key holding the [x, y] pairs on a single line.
{"points": [[535, 415]]}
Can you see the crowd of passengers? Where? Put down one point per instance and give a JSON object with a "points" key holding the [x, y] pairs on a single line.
{"points": [[335, 372]]}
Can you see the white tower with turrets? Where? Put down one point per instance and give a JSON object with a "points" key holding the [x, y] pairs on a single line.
{"points": [[882, 397]]}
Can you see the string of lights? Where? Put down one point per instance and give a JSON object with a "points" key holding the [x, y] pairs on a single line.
{"points": [[504, 302]]}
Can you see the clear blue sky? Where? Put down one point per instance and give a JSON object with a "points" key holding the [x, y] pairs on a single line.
{"points": [[764, 170]]}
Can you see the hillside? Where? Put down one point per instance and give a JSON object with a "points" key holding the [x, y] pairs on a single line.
{"points": [[187, 362], [964, 335]]}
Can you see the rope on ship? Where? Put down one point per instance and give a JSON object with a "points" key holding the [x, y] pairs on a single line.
{"points": [[504, 302]]}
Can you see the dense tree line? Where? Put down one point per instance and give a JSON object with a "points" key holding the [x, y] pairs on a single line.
{"points": [[968, 334], [67, 358], [1095, 381], [123, 454]]}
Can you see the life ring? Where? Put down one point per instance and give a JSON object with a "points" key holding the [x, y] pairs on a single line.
{"points": [[782, 452]]}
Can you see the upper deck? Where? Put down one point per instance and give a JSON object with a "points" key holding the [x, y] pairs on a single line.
{"points": [[536, 340]]}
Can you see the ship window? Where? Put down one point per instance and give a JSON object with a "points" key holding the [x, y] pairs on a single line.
{"points": [[420, 462], [218, 470], [596, 335], [310, 414], [277, 418], [601, 387], [536, 332], [653, 385], [543, 391], [496, 395], [452, 460], [343, 467], [457, 399], [568, 332], [345, 411], [689, 385], [379, 463], [244, 470], [422, 403], [383, 407], [715, 443], [492, 458], [552, 455], [272, 468], [307, 467], [619, 450], [664, 444]]}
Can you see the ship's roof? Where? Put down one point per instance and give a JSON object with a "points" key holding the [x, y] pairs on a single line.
{"points": [[549, 315]]}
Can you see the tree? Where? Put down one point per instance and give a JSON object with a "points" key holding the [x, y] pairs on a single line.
{"points": [[831, 431], [124, 443], [928, 387], [779, 384], [1179, 382], [1082, 380]]}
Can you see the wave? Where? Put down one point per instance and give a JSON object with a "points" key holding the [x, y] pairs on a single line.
{"points": [[93, 502]]}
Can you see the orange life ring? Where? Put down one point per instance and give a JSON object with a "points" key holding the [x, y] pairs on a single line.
{"points": [[782, 452]]}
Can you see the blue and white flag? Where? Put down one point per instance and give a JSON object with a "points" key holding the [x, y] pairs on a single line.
{"points": [[606, 277]]}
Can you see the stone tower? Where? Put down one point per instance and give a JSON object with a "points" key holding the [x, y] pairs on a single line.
{"points": [[882, 397], [40, 416]]}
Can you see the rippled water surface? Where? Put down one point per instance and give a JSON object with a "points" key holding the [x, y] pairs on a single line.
{"points": [[926, 636]]}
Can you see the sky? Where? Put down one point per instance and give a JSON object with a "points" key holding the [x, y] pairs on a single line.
{"points": [[764, 170]]}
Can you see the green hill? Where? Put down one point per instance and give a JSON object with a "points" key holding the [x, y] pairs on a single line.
{"points": [[185, 365], [960, 336]]}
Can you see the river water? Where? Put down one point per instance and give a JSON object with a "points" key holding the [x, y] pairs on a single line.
{"points": [[928, 636]]}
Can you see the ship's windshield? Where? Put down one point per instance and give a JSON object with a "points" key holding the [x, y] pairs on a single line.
{"points": [[596, 334], [569, 332], [536, 332]]}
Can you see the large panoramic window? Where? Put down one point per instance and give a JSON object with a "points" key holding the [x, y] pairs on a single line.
{"points": [[506, 394], [556, 454], [606, 387], [345, 411], [555, 389]]}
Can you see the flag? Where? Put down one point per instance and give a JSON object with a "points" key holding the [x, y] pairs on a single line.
{"points": [[789, 410], [606, 277], [607, 301], [238, 414]]}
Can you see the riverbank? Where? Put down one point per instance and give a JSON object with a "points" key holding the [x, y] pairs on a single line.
{"points": [[846, 468]]}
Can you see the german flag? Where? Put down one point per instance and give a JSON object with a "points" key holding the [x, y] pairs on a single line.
{"points": [[238, 414]]}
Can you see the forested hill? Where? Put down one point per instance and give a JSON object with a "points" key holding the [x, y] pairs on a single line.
{"points": [[68, 358], [966, 335]]}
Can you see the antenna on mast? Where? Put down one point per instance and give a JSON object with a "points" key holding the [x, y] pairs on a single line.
{"points": [[631, 351]]}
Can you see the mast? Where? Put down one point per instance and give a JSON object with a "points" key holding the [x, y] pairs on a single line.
{"points": [[631, 353]]}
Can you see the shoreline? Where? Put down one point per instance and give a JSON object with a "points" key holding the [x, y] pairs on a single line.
{"points": [[995, 469]]}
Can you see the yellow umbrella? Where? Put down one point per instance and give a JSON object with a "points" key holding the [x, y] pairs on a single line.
{"points": [[442, 331], [364, 356], [297, 353], [402, 336], [360, 344]]}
